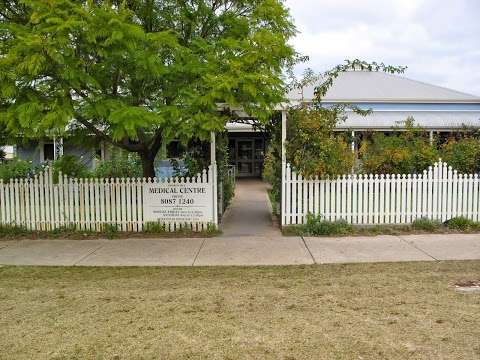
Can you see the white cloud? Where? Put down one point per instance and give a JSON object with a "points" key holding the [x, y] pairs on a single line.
{"points": [[437, 40]]}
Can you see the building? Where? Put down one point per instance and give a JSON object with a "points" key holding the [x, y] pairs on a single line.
{"points": [[391, 98]]}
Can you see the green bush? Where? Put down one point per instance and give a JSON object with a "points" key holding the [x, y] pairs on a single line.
{"points": [[462, 224], [71, 166], [228, 190], [122, 167], [153, 227], [272, 172], [405, 151], [313, 147], [316, 225], [17, 169], [426, 224], [110, 230], [7, 231], [462, 154]]}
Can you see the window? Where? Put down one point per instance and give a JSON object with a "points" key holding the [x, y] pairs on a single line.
{"points": [[48, 152]]}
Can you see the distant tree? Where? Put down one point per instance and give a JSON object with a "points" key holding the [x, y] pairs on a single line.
{"points": [[139, 73]]}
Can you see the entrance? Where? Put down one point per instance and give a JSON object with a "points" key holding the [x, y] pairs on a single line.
{"points": [[247, 153]]}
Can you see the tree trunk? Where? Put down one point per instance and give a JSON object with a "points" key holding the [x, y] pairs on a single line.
{"points": [[147, 164]]}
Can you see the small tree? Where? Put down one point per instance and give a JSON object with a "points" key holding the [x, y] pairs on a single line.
{"points": [[137, 74], [313, 147]]}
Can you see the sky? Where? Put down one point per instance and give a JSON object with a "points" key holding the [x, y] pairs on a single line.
{"points": [[439, 40]]}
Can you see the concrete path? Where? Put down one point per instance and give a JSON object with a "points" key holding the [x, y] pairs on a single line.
{"points": [[249, 214], [244, 250]]}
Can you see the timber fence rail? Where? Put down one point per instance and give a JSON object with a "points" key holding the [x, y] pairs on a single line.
{"points": [[439, 193], [88, 204]]}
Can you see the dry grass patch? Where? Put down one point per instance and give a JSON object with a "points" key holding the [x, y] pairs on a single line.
{"points": [[361, 311]]}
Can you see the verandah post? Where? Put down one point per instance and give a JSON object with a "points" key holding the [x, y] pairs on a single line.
{"points": [[284, 166]]}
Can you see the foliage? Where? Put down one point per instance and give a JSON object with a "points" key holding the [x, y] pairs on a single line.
{"points": [[313, 148], [71, 166], [17, 169], [197, 158], [426, 224], [317, 225], [121, 166], [462, 224], [272, 165], [153, 227], [137, 74], [11, 231], [404, 151], [226, 182], [109, 231], [462, 154]]}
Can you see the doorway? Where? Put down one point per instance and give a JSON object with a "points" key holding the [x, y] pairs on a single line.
{"points": [[247, 152]]}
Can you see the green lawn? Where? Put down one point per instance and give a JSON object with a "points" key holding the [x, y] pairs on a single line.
{"points": [[362, 311]]}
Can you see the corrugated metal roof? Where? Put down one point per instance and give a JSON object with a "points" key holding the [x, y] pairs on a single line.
{"points": [[367, 86], [426, 119]]}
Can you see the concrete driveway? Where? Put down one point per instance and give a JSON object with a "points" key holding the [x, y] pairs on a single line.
{"points": [[244, 250]]}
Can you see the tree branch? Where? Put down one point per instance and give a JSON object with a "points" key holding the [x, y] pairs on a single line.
{"points": [[125, 144]]}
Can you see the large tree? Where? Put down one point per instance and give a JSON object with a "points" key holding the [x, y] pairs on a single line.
{"points": [[139, 73]]}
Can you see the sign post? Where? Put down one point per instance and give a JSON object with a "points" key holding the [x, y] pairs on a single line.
{"points": [[213, 163], [284, 166]]}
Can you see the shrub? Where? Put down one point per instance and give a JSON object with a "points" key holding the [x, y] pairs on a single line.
{"points": [[272, 172], [401, 152], [17, 169], [153, 227], [7, 231], [316, 225], [228, 190], [462, 224], [462, 154], [110, 230], [71, 166], [313, 147], [426, 224], [121, 167]]}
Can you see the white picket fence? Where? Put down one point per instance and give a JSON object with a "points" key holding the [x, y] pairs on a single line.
{"points": [[439, 193], [84, 204]]}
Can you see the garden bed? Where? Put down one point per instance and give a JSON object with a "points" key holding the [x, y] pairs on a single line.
{"points": [[20, 233], [316, 226]]}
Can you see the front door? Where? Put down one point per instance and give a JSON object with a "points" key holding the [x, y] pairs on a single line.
{"points": [[245, 156]]}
